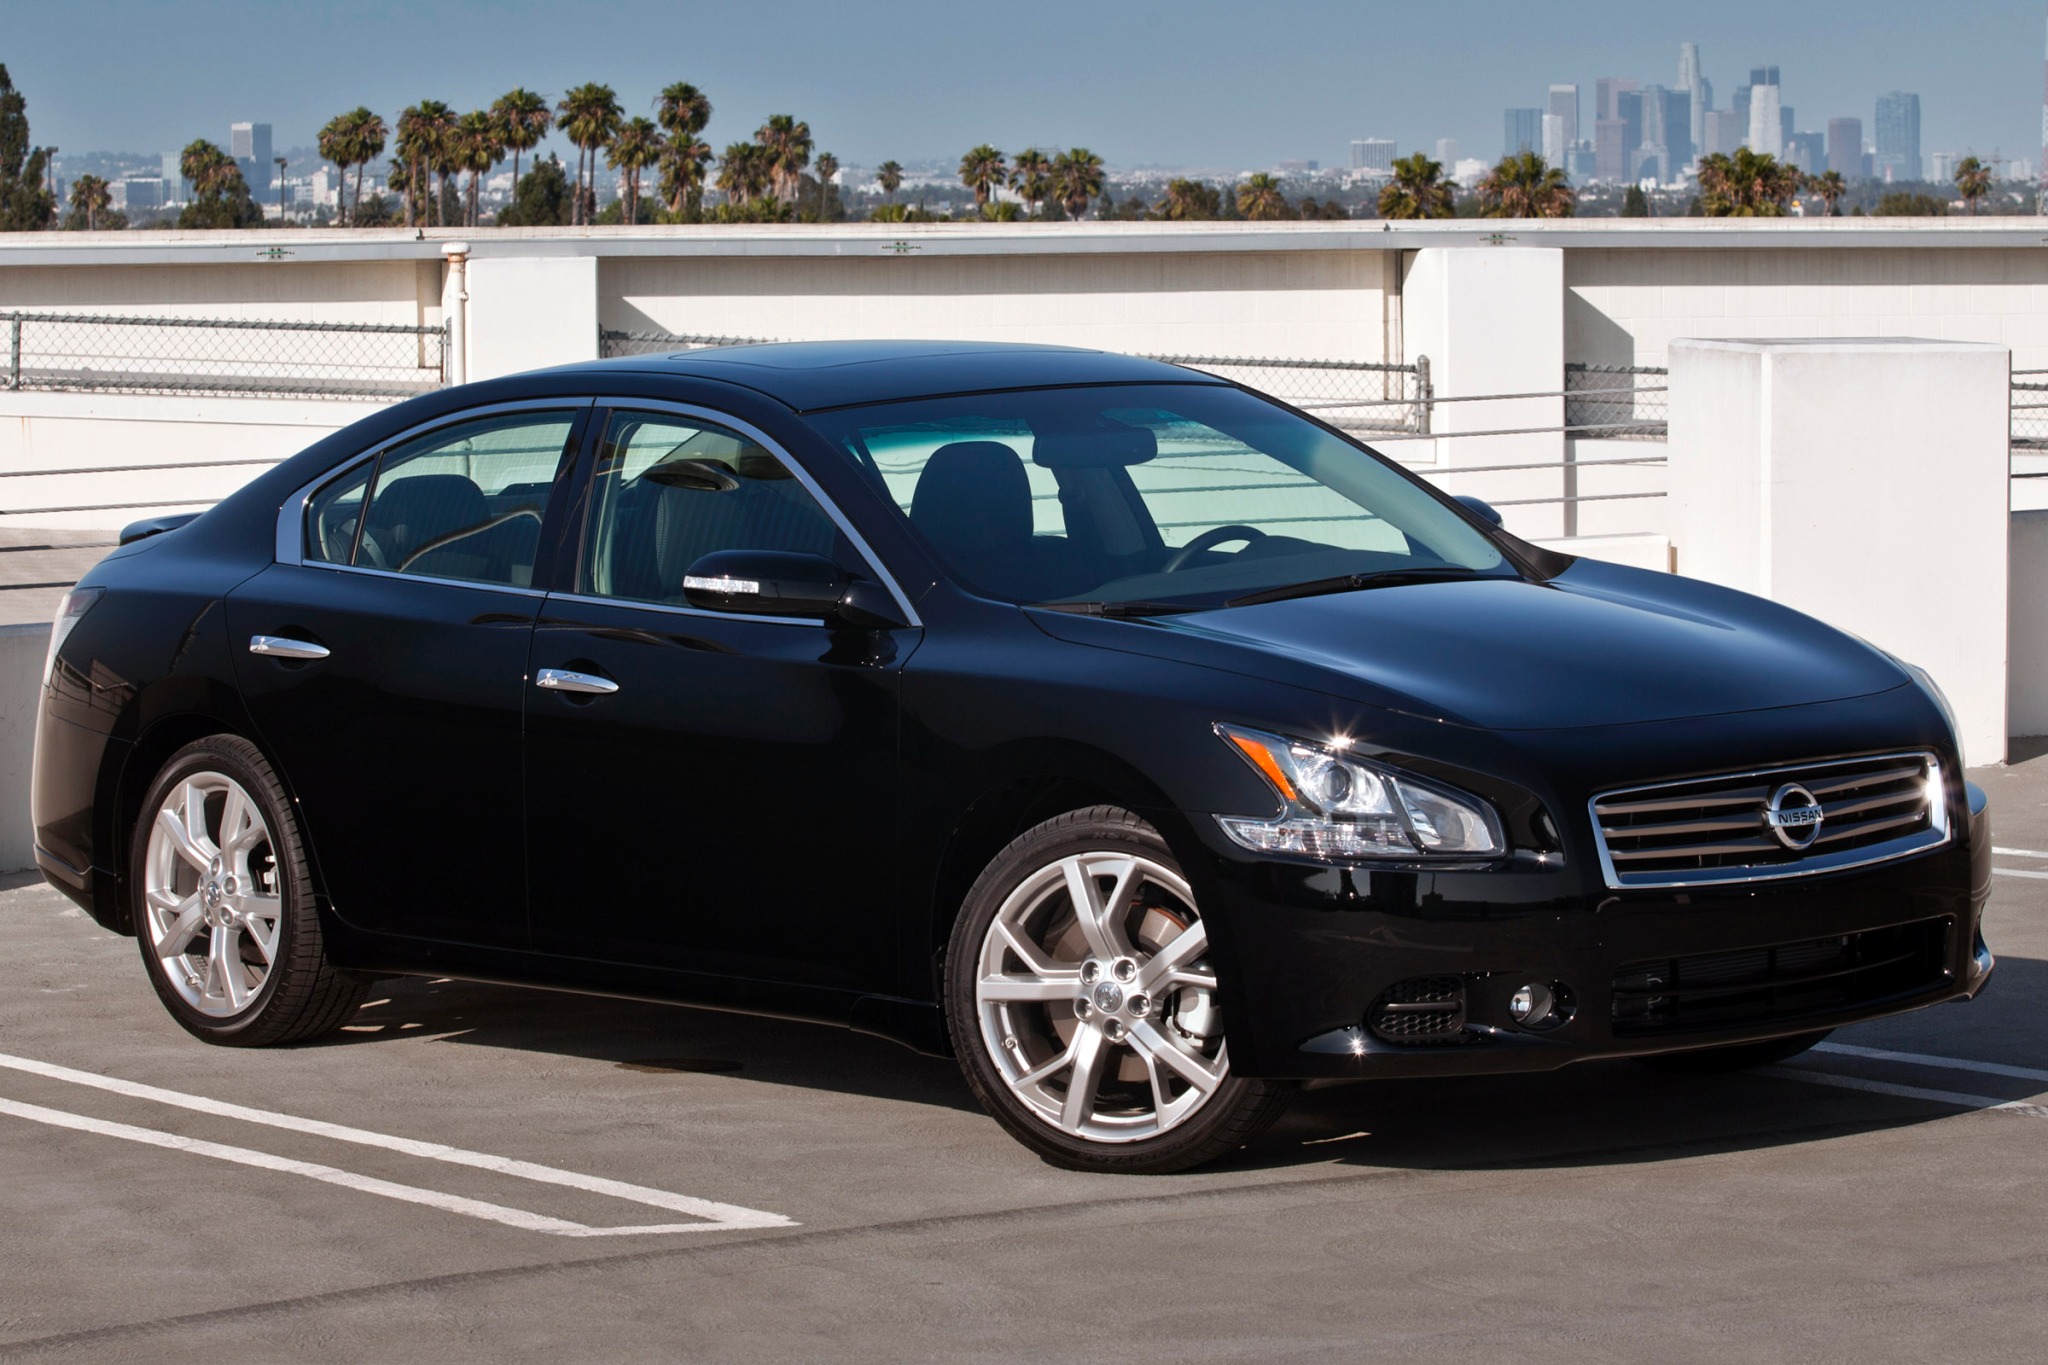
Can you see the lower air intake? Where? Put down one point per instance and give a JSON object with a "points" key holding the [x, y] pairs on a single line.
{"points": [[1422, 1009]]}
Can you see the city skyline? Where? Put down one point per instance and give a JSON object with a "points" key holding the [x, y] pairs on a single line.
{"points": [[1139, 97]]}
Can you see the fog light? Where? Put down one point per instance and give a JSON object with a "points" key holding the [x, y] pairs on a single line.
{"points": [[1531, 1004]]}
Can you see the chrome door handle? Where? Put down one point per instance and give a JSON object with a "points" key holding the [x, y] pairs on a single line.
{"points": [[277, 647], [562, 680]]}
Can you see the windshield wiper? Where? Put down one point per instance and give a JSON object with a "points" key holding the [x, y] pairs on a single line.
{"points": [[1119, 608], [1352, 582]]}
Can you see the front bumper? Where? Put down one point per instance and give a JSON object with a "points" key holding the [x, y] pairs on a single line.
{"points": [[1312, 954]]}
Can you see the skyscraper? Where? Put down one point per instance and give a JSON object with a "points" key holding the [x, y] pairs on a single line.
{"points": [[249, 145], [1522, 131], [1808, 152], [1699, 95], [1898, 136], [1373, 154], [1766, 126], [1447, 152], [1763, 75], [1564, 104], [1845, 147], [1725, 132], [1628, 107], [1607, 92]]}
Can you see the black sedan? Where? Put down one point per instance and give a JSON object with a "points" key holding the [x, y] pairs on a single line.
{"points": [[1148, 744]]}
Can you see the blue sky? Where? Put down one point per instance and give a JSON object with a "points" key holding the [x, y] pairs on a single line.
{"points": [[1182, 82]]}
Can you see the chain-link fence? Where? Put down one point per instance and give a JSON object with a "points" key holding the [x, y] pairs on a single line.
{"points": [[2030, 410], [1355, 395], [1616, 402], [213, 356]]}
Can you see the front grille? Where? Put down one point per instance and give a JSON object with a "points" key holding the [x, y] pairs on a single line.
{"points": [[1422, 1009], [1783, 981], [1719, 829]]}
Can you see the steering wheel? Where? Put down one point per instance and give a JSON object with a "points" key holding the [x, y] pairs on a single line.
{"points": [[1209, 540]]}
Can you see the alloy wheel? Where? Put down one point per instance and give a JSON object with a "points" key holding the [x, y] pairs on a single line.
{"points": [[211, 896]]}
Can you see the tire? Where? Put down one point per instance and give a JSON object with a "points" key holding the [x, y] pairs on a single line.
{"points": [[1714, 1061], [1041, 998], [230, 936]]}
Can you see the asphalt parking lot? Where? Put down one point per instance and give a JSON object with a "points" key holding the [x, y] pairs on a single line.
{"points": [[481, 1173]]}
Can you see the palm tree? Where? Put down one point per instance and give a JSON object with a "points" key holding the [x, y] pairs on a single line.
{"points": [[1259, 197], [337, 145], [1973, 181], [1031, 177], [1418, 190], [89, 196], [743, 172], [683, 111], [1527, 186], [828, 168], [636, 146], [423, 128], [366, 136], [523, 120], [1077, 179], [476, 145], [1748, 184], [213, 172], [589, 115], [787, 143], [1187, 201], [1828, 188], [982, 170], [889, 175]]}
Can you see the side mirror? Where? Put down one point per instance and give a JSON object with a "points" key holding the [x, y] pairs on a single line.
{"points": [[778, 583], [1480, 508]]}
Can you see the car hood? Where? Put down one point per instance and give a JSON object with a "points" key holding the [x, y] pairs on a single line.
{"points": [[1600, 644]]}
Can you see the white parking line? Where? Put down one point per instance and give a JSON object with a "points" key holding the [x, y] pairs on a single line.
{"points": [[1910, 1092], [716, 1217], [2018, 872], [1878, 1054], [2017, 852]]}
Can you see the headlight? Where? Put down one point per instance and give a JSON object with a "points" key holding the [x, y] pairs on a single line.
{"points": [[69, 612], [1338, 808]]}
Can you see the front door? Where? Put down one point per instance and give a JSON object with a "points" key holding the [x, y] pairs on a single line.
{"points": [[385, 667], [724, 801]]}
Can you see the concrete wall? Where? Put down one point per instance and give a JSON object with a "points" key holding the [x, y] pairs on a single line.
{"points": [[2027, 641]]}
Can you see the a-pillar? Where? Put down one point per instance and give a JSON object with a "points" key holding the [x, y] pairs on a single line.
{"points": [[1491, 321], [1864, 482]]}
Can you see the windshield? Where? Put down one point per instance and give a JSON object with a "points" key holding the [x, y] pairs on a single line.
{"points": [[1165, 496]]}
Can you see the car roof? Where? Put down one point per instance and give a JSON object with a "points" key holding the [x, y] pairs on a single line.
{"points": [[813, 375]]}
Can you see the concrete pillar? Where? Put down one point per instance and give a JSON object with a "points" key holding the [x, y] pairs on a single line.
{"points": [[455, 308], [1862, 481], [530, 312], [1491, 321]]}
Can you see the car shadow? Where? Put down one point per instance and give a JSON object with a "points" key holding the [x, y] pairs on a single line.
{"points": [[1598, 1113]]}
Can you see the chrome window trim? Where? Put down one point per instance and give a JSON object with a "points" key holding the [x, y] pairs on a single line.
{"points": [[629, 403], [1936, 835], [291, 517], [479, 585], [676, 609]]}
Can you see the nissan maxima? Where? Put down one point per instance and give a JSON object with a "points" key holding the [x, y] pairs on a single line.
{"points": [[1149, 745]]}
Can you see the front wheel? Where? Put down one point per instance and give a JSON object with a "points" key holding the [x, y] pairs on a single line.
{"points": [[224, 903], [1084, 1005]]}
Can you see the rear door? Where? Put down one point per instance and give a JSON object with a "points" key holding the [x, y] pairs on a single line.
{"points": [[383, 659], [725, 802]]}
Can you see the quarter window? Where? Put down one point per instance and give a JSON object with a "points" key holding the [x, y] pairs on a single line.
{"points": [[463, 502], [668, 490]]}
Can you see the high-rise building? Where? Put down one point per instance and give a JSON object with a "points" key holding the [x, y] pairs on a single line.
{"points": [[1628, 106], [1564, 106], [1898, 136], [142, 192], [1447, 152], [1845, 147], [1942, 166], [1725, 131], [1699, 93], [249, 145], [1522, 131], [1373, 154], [1610, 156], [1766, 127], [1652, 157], [1607, 95], [1554, 144], [1763, 75]]}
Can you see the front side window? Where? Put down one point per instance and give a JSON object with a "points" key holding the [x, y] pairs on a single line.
{"points": [[668, 490], [1188, 495], [463, 502]]}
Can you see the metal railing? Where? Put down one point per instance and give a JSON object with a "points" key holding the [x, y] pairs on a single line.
{"points": [[240, 357], [1363, 396], [1612, 402]]}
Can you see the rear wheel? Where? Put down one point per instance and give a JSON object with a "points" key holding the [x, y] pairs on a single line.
{"points": [[1709, 1061], [1084, 1005], [224, 903]]}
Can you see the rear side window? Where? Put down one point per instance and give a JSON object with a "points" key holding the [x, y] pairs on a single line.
{"points": [[464, 502]]}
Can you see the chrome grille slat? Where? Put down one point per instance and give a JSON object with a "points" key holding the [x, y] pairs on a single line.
{"points": [[1700, 831]]}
